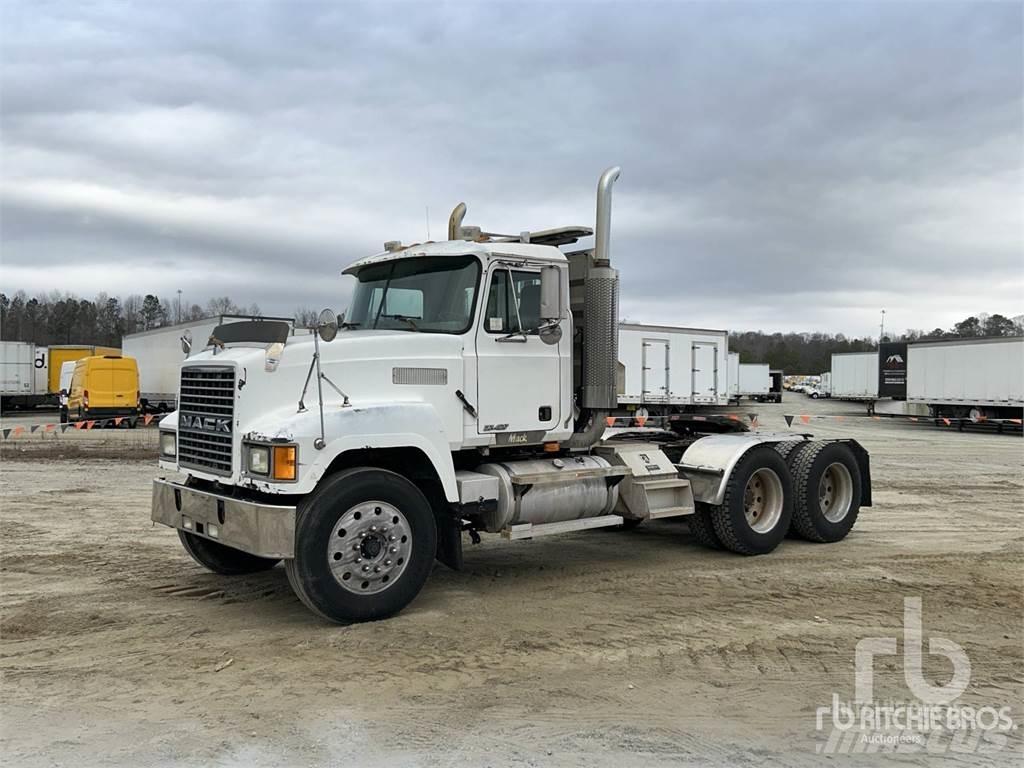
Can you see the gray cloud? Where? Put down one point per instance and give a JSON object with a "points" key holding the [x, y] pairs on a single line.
{"points": [[785, 166]]}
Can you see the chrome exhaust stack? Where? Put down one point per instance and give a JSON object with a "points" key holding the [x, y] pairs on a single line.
{"points": [[601, 321]]}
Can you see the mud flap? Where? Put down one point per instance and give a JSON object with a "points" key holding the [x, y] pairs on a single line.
{"points": [[449, 540]]}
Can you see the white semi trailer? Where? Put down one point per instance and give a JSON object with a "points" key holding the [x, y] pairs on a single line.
{"points": [[159, 355], [855, 376], [968, 378], [467, 391], [753, 380], [669, 368], [22, 375]]}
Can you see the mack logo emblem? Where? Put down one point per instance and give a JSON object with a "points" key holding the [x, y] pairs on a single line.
{"points": [[519, 438], [206, 423]]}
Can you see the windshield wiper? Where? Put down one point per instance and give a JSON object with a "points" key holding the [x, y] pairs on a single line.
{"points": [[347, 324], [404, 318]]}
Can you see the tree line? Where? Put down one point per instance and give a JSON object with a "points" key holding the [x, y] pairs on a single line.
{"points": [[57, 318], [811, 353]]}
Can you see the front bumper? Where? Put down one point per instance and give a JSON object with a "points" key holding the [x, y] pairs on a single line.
{"points": [[267, 530]]}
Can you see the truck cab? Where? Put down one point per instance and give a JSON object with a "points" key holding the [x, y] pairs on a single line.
{"points": [[467, 391]]}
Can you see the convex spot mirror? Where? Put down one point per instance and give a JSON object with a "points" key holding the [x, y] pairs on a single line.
{"points": [[186, 342], [327, 325]]}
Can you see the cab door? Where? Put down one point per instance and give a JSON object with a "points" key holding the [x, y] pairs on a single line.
{"points": [[518, 379]]}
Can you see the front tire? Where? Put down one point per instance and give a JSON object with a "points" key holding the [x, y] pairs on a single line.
{"points": [[221, 559], [365, 542], [827, 485], [755, 514]]}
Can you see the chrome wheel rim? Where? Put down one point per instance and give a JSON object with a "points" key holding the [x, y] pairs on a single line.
{"points": [[762, 500], [369, 547], [835, 492]]}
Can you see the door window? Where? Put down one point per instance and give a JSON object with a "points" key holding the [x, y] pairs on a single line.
{"points": [[523, 288]]}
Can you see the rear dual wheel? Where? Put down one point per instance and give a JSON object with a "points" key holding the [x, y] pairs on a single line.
{"points": [[755, 513], [827, 485]]}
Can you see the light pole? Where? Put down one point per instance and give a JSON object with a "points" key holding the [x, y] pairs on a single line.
{"points": [[881, 327], [179, 305]]}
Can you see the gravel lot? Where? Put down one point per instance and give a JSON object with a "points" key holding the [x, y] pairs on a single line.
{"points": [[592, 649]]}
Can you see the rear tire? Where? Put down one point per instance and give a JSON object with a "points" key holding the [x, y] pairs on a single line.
{"points": [[702, 526], [221, 559], [827, 486], [365, 542], [790, 449], [755, 514]]}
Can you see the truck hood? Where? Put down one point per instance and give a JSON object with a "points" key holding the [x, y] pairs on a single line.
{"points": [[370, 367]]}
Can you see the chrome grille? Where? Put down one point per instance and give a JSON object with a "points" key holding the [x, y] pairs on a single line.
{"points": [[206, 410]]}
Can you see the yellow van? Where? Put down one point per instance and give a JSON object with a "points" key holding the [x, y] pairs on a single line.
{"points": [[104, 386]]}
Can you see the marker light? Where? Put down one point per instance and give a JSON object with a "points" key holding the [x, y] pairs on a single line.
{"points": [[284, 462]]}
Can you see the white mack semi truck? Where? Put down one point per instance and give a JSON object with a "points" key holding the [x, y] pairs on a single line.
{"points": [[468, 390]]}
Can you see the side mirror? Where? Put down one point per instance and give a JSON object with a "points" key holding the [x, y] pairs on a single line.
{"points": [[186, 342], [327, 325], [552, 306]]}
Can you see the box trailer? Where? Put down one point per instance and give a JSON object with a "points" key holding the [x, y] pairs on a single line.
{"points": [[21, 386], [855, 376], [755, 380], [159, 355], [734, 377], [669, 366], [976, 378]]}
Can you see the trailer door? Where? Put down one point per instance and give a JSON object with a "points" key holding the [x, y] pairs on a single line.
{"points": [[655, 379], [705, 372]]}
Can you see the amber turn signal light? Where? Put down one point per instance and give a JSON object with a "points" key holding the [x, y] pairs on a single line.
{"points": [[284, 462]]}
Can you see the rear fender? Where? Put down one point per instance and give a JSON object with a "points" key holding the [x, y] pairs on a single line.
{"points": [[709, 463]]}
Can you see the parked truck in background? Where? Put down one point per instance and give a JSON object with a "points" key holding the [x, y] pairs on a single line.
{"points": [[825, 385], [467, 391], [855, 376], [753, 380], [968, 378], [159, 356]]}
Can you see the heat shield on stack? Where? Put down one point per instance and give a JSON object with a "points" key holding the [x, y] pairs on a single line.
{"points": [[601, 338]]}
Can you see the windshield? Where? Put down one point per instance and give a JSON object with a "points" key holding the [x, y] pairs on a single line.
{"points": [[432, 295]]}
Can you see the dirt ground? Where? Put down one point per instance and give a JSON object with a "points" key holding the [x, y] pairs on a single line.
{"points": [[592, 649]]}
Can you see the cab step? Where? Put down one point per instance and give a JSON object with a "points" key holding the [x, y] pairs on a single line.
{"points": [[531, 531]]}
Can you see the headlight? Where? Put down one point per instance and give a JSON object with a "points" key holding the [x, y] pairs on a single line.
{"points": [[168, 445], [259, 459]]}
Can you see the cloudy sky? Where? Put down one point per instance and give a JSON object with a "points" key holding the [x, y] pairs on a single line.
{"points": [[785, 166]]}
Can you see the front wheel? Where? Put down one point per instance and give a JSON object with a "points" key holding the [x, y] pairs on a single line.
{"points": [[755, 514], [365, 542], [221, 559]]}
